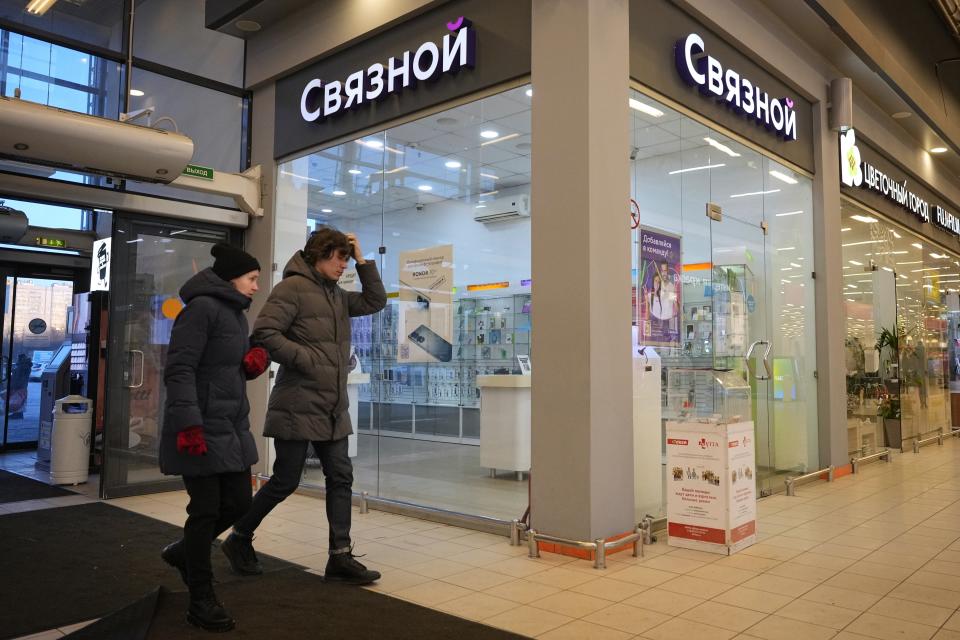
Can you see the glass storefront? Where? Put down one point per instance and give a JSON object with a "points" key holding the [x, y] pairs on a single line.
{"points": [[448, 192], [901, 353], [736, 285]]}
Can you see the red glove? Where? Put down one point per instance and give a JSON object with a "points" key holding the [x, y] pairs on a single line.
{"points": [[191, 442], [255, 362]]}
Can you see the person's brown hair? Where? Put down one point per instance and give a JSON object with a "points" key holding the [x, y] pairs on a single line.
{"points": [[323, 242]]}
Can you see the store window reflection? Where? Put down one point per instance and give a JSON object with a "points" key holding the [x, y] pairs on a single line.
{"points": [[440, 405], [899, 342]]}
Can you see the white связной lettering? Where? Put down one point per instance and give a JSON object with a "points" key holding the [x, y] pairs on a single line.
{"points": [[320, 99], [742, 95]]}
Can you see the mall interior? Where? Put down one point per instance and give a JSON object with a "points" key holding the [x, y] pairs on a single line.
{"points": [[741, 219]]}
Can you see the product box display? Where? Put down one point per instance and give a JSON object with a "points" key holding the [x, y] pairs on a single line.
{"points": [[711, 485]]}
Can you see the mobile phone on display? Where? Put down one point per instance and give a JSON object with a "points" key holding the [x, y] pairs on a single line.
{"points": [[425, 338]]}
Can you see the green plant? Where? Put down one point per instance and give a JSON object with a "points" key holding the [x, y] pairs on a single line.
{"points": [[889, 406], [891, 339]]}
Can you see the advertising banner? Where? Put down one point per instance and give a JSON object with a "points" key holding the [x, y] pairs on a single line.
{"points": [[711, 495], [426, 305], [661, 288]]}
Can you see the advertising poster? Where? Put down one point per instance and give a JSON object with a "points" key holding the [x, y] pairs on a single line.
{"points": [[100, 273], [711, 493], [661, 289], [426, 305]]}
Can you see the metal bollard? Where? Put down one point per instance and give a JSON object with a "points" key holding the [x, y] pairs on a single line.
{"points": [[515, 533], [854, 464], [364, 507], [638, 543], [830, 473], [600, 556], [916, 446], [533, 549], [791, 489], [940, 439]]}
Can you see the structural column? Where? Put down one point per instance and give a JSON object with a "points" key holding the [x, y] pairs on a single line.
{"points": [[582, 433]]}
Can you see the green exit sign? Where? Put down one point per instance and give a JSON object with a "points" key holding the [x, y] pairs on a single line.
{"points": [[196, 171], [52, 242]]}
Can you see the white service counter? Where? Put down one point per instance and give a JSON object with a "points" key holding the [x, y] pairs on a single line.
{"points": [[505, 422], [354, 380]]}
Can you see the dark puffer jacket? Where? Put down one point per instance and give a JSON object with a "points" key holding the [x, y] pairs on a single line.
{"points": [[205, 380], [305, 325]]}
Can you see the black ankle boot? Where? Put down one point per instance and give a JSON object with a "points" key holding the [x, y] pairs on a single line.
{"points": [[174, 555], [239, 551], [206, 611], [344, 567]]}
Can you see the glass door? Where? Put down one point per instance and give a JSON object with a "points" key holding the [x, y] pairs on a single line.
{"points": [[151, 261]]}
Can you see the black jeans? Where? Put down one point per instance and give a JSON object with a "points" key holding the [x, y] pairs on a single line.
{"points": [[215, 504], [287, 471]]}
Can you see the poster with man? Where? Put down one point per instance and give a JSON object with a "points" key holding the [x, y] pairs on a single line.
{"points": [[661, 288], [100, 273], [425, 324]]}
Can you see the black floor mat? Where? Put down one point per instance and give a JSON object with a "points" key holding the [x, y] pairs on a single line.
{"points": [[296, 605], [14, 488], [71, 564]]}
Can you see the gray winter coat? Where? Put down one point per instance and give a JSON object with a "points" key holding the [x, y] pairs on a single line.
{"points": [[205, 379], [305, 326]]}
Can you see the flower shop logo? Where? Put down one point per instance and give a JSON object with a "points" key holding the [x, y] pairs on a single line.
{"points": [[857, 172], [707, 444], [740, 93], [457, 50]]}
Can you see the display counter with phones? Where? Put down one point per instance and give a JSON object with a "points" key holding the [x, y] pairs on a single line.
{"points": [[505, 422]]}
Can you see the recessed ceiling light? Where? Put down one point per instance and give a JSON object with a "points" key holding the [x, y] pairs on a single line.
{"points": [[425, 187], [489, 134], [247, 25], [338, 192], [755, 193], [855, 263], [136, 93], [900, 115], [917, 245], [452, 164], [39, 7], [788, 213], [529, 93], [355, 172], [706, 166], [779, 175], [938, 150], [326, 210], [721, 147], [643, 107], [373, 144], [864, 219]]}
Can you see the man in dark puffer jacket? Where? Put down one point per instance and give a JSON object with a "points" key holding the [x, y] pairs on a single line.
{"points": [[206, 431], [305, 326]]}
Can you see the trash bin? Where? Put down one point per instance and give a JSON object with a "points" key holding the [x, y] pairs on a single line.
{"points": [[70, 442]]}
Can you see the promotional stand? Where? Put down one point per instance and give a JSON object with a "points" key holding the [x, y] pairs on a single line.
{"points": [[711, 493]]}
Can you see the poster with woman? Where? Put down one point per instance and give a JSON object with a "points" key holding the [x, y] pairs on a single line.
{"points": [[661, 288]]}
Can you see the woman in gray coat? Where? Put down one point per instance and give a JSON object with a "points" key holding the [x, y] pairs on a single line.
{"points": [[305, 326], [206, 431]]}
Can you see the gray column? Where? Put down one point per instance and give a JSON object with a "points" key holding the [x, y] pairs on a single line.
{"points": [[582, 438], [831, 321]]}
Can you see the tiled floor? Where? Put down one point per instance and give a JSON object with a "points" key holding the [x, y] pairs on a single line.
{"points": [[872, 556]]}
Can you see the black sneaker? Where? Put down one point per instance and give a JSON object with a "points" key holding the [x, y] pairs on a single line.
{"points": [[174, 555], [344, 567], [207, 612], [240, 553]]}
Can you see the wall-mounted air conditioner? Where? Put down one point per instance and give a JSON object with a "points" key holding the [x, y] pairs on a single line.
{"points": [[503, 209]]}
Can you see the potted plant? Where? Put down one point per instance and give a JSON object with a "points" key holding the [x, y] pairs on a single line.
{"points": [[888, 410], [888, 406]]}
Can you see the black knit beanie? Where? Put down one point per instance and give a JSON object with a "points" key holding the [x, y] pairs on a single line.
{"points": [[232, 262]]}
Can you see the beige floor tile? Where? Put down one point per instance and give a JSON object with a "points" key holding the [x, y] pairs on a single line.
{"points": [[478, 579], [722, 573], [949, 556], [912, 611], [935, 579], [862, 584], [897, 559], [438, 569], [477, 606], [528, 621], [778, 628], [661, 601], [724, 616], [477, 557], [792, 542], [520, 567], [946, 634], [582, 630], [927, 595], [953, 623], [561, 578], [747, 562], [846, 635], [693, 554], [752, 599], [816, 559], [568, 603], [887, 628], [431, 594], [771, 552], [803, 572], [397, 579], [841, 550], [522, 591], [76, 627], [840, 597], [877, 570], [682, 629], [609, 589], [628, 619], [938, 565], [697, 587], [672, 562], [818, 613], [644, 576], [780, 585], [52, 634]]}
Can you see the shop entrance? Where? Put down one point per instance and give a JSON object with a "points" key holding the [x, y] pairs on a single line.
{"points": [[36, 321]]}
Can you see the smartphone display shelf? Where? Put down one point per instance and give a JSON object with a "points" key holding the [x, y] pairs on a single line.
{"points": [[488, 334]]}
